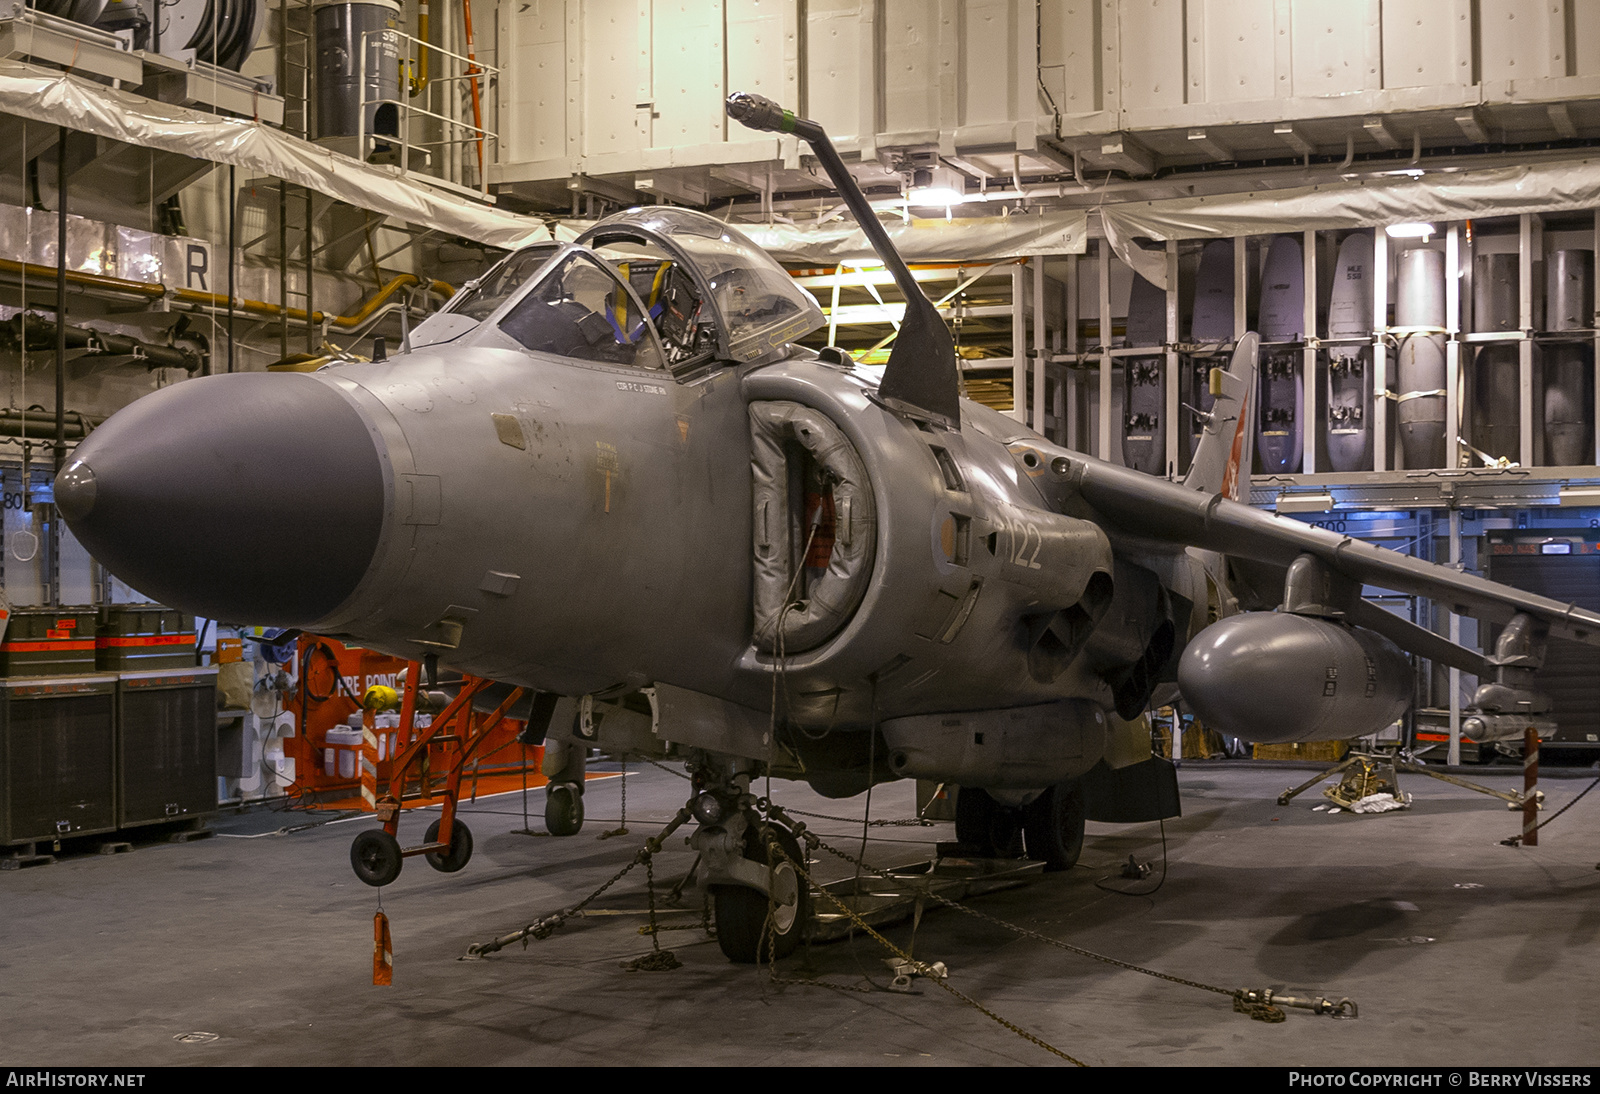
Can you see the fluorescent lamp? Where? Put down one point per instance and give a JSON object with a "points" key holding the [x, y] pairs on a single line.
{"points": [[935, 195], [938, 186], [1412, 229], [1305, 503], [1579, 495]]}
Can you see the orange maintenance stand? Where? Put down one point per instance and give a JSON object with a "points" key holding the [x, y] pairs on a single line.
{"points": [[452, 739], [333, 681]]}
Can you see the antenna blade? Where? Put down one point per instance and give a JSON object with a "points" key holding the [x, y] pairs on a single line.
{"points": [[922, 365]]}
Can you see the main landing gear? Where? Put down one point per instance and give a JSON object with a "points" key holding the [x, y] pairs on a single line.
{"points": [[1050, 826]]}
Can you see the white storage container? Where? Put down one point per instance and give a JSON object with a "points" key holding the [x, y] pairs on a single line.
{"points": [[342, 757]]}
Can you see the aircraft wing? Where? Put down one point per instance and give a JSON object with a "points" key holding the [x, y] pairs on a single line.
{"points": [[1155, 509]]}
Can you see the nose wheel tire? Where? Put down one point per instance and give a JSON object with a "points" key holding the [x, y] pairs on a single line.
{"points": [[1054, 826], [563, 809], [743, 928], [375, 857], [448, 862], [989, 828]]}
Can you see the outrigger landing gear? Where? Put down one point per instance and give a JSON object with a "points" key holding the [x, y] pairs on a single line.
{"points": [[563, 808], [566, 766]]}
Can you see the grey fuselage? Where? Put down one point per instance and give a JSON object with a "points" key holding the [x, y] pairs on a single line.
{"points": [[614, 548]]}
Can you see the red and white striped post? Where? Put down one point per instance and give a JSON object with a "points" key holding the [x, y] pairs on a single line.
{"points": [[1530, 785], [369, 762]]}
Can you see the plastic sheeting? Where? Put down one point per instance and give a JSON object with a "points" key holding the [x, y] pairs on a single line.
{"points": [[969, 239], [1362, 203], [58, 99], [962, 240], [1150, 265]]}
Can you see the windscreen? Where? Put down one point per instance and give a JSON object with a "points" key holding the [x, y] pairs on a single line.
{"points": [[478, 301]]}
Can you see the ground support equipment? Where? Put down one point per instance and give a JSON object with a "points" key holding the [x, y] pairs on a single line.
{"points": [[447, 745], [1383, 770]]}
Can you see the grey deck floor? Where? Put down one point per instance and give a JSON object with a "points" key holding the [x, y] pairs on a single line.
{"points": [[1458, 950]]}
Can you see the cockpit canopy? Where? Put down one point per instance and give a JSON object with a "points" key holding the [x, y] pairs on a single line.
{"points": [[755, 304], [700, 287]]}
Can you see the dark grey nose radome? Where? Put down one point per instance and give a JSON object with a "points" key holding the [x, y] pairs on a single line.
{"points": [[251, 498]]}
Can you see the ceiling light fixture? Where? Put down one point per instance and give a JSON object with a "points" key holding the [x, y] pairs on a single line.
{"points": [[1411, 229], [937, 186]]}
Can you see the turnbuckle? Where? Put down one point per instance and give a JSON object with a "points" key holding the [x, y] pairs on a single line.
{"points": [[1263, 1005]]}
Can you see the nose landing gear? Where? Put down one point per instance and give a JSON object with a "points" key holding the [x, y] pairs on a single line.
{"points": [[752, 923]]}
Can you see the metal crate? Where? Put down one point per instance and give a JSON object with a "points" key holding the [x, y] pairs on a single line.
{"points": [[48, 642], [132, 639], [57, 757], [166, 745]]}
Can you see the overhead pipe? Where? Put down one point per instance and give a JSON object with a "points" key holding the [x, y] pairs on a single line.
{"points": [[36, 332], [393, 307], [1275, 175], [344, 322], [218, 300], [896, 204], [84, 280], [419, 80], [22, 423]]}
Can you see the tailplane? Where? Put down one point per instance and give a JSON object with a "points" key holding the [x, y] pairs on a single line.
{"points": [[1222, 459]]}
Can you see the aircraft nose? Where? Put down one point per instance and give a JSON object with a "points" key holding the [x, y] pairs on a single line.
{"points": [[251, 498]]}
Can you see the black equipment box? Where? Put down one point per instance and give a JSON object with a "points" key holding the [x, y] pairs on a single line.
{"points": [[57, 757], [166, 745]]}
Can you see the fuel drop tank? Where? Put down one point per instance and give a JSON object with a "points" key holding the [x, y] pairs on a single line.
{"points": [[1277, 677]]}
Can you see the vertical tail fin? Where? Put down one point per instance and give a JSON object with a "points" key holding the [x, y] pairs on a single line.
{"points": [[1222, 460]]}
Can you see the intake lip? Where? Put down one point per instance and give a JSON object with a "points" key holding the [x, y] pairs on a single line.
{"points": [[251, 498]]}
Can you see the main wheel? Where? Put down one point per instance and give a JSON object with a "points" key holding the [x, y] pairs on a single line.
{"points": [[460, 847], [563, 809], [1054, 826], [375, 857], [744, 930], [982, 823]]}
